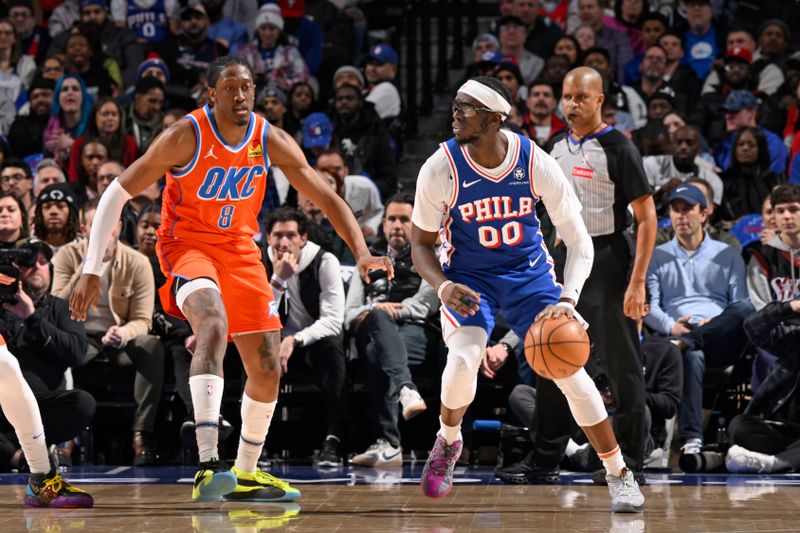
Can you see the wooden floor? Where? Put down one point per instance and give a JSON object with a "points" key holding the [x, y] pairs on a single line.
{"points": [[401, 507]]}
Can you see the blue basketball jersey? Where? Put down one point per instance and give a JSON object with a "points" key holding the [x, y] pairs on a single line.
{"points": [[491, 222], [149, 23]]}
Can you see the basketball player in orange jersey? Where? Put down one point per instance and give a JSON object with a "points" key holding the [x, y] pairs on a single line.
{"points": [[216, 160], [479, 189], [46, 487]]}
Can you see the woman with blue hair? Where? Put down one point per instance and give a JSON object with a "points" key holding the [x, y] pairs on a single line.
{"points": [[69, 115]]}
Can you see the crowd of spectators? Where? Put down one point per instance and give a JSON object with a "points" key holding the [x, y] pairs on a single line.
{"points": [[708, 90]]}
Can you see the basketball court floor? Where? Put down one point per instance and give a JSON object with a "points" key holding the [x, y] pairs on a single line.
{"points": [[369, 500]]}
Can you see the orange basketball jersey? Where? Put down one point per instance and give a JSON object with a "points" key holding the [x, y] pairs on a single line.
{"points": [[216, 197]]}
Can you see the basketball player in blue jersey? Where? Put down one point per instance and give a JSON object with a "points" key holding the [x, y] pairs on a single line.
{"points": [[478, 191]]}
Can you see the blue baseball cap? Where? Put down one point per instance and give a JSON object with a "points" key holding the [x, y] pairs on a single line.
{"points": [[491, 57], [84, 3], [688, 193], [384, 53], [740, 99], [317, 131], [153, 62]]}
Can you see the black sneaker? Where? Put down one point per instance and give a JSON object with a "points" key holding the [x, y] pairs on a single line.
{"points": [[525, 472], [599, 477], [331, 453]]}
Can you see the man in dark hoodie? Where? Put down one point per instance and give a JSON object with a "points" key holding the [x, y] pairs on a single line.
{"points": [[363, 140], [773, 274]]}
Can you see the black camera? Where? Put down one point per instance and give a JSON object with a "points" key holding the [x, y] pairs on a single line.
{"points": [[9, 273]]}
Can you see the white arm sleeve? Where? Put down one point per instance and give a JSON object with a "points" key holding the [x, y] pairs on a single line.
{"points": [[580, 255], [434, 192], [564, 209], [108, 211]]}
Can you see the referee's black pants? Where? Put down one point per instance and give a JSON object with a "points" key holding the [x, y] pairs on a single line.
{"points": [[615, 343]]}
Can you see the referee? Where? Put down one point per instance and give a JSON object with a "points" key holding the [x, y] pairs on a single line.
{"points": [[606, 171]]}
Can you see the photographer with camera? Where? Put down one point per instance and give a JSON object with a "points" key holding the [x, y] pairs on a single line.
{"points": [[699, 299], [118, 326], [308, 288], [388, 318], [46, 341]]}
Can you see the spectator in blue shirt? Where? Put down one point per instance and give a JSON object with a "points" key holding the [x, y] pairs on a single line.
{"points": [[741, 108], [225, 30], [699, 298], [700, 40]]}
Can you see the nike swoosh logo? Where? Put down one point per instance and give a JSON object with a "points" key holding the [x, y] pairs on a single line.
{"points": [[534, 262], [38, 436], [467, 184], [389, 457]]}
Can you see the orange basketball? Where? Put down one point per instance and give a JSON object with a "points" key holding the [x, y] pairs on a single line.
{"points": [[556, 348]]}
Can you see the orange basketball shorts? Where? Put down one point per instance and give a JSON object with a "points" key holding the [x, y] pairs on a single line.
{"points": [[238, 272]]}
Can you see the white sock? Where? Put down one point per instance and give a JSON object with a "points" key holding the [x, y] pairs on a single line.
{"points": [[613, 461], [20, 408], [207, 392], [450, 433], [256, 417]]}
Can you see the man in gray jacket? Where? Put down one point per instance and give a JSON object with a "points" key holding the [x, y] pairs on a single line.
{"points": [[308, 288], [388, 319]]}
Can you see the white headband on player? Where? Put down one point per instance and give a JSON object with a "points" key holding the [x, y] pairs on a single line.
{"points": [[487, 96]]}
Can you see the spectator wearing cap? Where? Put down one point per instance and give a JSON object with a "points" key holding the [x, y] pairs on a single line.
{"points": [[153, 66], [47, 173], [26, 133], [306, 31], [764, 73], [749, 178], [615, 41], [699, 298], [118, 327], [737, 75], [16, 178], [700, 40], [380, 71], [33, 38], [55, 221], [540, 122], [484, 48], [47, 342], [317, 135], [773, 41], [273, 100], [741, 108], [142, 117], [363, 140], [118, 43], [511, 31], [273, 59], [189, 53], [541, 32], [348, 75], [661, 103]]}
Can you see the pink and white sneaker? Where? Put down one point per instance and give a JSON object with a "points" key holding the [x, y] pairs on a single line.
{"points": [[437, 476]]}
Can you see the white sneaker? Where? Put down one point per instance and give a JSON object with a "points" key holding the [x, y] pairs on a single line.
{"points": [[380, 453], [625, 494], [412, 402], [692, 446], [743, 461]]}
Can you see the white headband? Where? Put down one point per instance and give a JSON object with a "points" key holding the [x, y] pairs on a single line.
{"points": [[487, 96]]}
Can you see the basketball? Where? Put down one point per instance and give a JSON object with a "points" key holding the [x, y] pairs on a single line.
{"points": [[556, 348]]}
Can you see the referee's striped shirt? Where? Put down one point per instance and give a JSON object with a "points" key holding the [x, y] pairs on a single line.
{"points": [[606, 171]]}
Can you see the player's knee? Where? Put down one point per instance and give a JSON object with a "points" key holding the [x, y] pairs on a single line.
{"points": [[213, 328], [583, 397]]}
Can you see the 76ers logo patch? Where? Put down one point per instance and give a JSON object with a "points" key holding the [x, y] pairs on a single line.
{"points": [[519, 173]]}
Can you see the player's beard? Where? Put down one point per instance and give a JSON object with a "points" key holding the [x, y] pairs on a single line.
{"points": [[473, 139]]}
